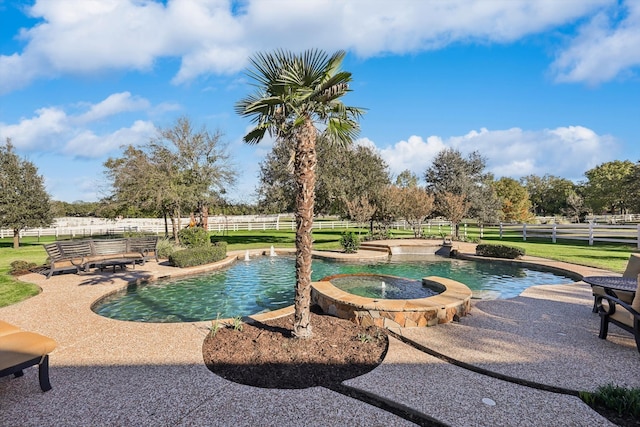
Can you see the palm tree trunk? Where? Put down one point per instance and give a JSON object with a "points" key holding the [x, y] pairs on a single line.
{"points": [[305, 177]]}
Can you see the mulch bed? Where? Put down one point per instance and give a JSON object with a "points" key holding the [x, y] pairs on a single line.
{"points": [[266, 355]]}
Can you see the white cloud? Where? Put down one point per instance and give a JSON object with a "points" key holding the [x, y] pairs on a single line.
{"points": [[564, 151], [112, 105], [606, 47], [415, 154], [89, 145], [44, 128], [52, 129], [89, 36]]}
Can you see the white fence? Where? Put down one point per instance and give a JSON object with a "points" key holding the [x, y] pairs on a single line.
{"points": [[629, 234], [87, 227]]}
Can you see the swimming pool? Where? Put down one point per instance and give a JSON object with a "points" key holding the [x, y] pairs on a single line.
{"points": [[267, 283]]}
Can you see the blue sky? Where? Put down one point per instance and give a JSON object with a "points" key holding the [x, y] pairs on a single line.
{"points": [[537, 87]]}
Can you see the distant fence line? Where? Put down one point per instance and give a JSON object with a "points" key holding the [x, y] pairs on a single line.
{"points": [[87, 227], [601, 219], [98, 227], [629, 234]]}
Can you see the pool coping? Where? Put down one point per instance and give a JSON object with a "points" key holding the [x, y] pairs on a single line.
{"points": [[450, 305]]}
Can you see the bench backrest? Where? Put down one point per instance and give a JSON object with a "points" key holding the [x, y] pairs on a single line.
{"points": [[141, 244], [53, 251], [75, 248], [109, 247]]}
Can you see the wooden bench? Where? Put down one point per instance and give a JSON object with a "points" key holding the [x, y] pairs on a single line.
{"points": [[20, 350], [80, 255]]}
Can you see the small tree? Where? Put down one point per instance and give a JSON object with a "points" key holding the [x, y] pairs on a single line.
{"points": [[24, 201], [360, 209], [386, 202], [454, 207], [516, 205], [415, 204]]}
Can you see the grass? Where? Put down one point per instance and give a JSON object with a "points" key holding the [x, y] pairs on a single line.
{"points": [[11, 289], [607, 256]]}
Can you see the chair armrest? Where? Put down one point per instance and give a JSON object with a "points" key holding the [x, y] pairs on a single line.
{"points": [[612, 305]]}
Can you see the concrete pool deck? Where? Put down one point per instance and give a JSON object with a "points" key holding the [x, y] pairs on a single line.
{"points": [[112, 373]]}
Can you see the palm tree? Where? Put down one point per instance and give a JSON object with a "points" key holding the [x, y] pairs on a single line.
{"points": [[297, 97]]}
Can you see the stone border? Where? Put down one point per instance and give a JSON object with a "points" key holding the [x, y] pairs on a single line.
{"points": [[451, 304]]}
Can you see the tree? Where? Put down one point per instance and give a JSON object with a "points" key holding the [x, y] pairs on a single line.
{"points": [[386, 202], [179, 169], [415, 204], [24, 202], [295, 95], [575, 207], [451, 173], [454, 207], [633, 185], [342, 173], [548, 194], [362, 172], [360, 209], [605, 189], [516, 206], [407, 179]]}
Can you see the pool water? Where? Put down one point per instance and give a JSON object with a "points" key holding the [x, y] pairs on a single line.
{"points": [[267, 283], [383, 287]]}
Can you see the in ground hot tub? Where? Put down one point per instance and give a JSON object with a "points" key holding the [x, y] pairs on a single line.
{"points": [[444, 300]]}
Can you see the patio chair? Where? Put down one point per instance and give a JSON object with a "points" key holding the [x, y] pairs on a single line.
{"points": [[22, 349], [614, 307], [632, 270]]}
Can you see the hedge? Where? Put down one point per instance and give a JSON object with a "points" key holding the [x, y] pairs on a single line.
{"points": [[499, 251], [191, 257]]}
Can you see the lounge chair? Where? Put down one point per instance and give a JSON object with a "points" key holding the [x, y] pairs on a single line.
{"points": [[622, 309], [631, 271], [21, 349]]}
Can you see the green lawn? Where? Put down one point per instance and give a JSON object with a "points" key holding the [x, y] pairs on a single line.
{"points": [[11, 289], [608, 256]]}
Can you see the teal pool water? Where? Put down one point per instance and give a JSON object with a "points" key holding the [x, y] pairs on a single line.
{"points": [[267, 283], [383, 286]]}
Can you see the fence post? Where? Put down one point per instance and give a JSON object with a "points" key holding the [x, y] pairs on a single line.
{"points": [[481, 231], [500, 231], [553, 234], [465, 230], [524, 232], [638, 237], [590, 234]]}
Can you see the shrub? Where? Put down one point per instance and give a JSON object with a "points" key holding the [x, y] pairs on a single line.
{"points": [[166, 247], [350, 242], [190, 257], [194, 237], [620, 399], [499, 251], [21, 267]]}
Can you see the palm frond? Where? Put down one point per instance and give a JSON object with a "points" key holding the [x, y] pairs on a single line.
{"points": [[256, 134], [293, 88]]}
